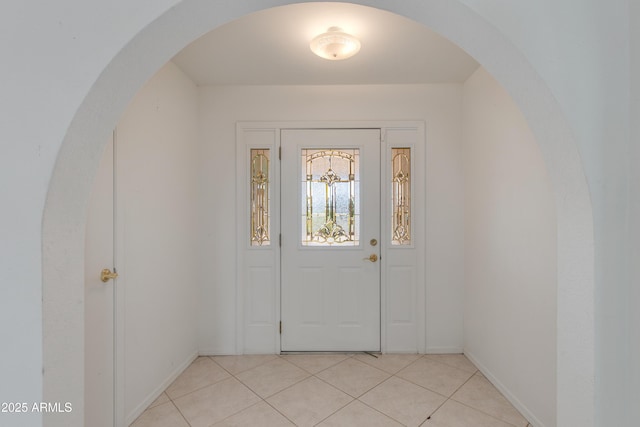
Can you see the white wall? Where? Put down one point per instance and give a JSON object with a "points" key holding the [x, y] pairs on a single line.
{"points": [[581, 49], [510, 251], [438, 105], [157, 260]]}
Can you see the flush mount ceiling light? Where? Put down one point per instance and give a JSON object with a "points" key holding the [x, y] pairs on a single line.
{"points": [[335, 45]]}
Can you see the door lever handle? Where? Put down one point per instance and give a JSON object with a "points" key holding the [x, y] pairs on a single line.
{"points": [[372, 258], [106, 275]]}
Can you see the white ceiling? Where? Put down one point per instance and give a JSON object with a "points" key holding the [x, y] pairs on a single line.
{"points": [[271, 47]]}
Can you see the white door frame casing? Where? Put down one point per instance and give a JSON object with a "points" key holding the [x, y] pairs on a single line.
{"points": [[402, 326]]}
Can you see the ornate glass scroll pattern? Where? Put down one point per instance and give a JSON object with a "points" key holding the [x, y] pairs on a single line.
{"points": [[401, 196], [260, 197], [330, 211]]}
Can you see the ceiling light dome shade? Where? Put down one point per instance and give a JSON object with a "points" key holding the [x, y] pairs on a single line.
{"points": [[335, 45]]}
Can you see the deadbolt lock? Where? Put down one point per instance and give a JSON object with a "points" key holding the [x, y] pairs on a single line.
{"points": [[373, 242]]}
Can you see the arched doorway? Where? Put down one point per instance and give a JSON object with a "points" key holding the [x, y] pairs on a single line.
{"points": [[64, 215]]}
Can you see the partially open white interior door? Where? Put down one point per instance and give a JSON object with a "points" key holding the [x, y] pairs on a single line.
{"points": [[330, 225]]}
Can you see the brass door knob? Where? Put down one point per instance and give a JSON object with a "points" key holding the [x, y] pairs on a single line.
{"points": [[106, 275], [372, 258]]}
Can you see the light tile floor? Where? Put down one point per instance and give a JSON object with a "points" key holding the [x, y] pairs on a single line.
{"points": [[331, 390]]}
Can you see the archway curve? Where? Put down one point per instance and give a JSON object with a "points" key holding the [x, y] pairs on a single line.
{"points": [[76, 165]]}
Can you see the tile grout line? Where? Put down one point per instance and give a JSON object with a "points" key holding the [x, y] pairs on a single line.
{"points": [[478, 409], [483, 412], [320, 379], [180, 412], [174, 403], [361, 394], [304, 379], [209, 385], [196, 390], [277, 392], [336, 411], [448, 398], [380, 412], [264, 399], [278, 411], [377, 410], [385, 380], [251, 406], [245, 370], [421, 386], [352, 398], [322, 370], [468, 406], [311, 375], [392, 373], [433, 391], [203, 387], [451, 365], [462, 385]]}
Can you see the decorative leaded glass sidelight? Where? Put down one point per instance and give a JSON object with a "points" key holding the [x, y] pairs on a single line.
{"points": [[330, 211], [260, 197], [401, 196]]}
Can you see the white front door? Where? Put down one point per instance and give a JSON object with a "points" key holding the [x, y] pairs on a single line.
{"points": [[100, 298], [330, 225]]}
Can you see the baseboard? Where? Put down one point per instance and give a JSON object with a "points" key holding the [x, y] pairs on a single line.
{"points": [[533, 420], [444, 350], [216, 352], [160, 389]]}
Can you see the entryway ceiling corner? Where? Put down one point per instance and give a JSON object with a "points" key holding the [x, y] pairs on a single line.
{"points": [[271, 47]]}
